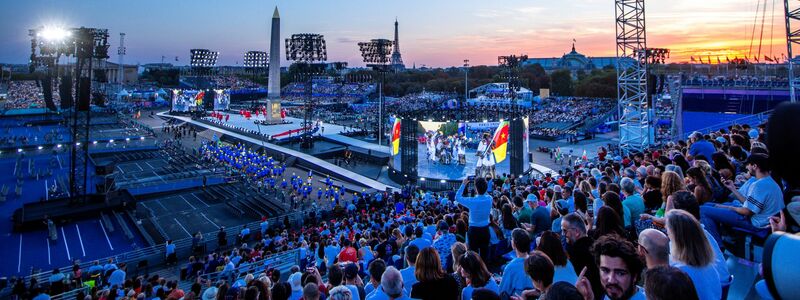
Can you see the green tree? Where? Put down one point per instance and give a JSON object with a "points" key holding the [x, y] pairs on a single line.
{"points": [[600, 83], [561, 83]]}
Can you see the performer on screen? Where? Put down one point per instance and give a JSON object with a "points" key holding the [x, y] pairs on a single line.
{"points": [[481, 165], [462, 154]]}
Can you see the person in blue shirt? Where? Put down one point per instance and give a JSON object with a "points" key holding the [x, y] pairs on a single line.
{"points": [[409, 279], [473, 269], [391, 287], [170, 253], [701, 147], [514, 278], [479, 208], [419, 240], [691, 252]]}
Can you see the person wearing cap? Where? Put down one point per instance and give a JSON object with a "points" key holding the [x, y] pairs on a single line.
{"points": [[210, 293], [540, 218], [751, 211]]}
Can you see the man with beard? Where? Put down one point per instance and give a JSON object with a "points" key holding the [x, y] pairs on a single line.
{"points": [[620, 267]]}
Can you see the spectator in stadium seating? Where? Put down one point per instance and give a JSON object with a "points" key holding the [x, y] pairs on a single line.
{"points": [[692, 253], [550, 244], [391, 286], [620, 268], [353, 282], [433, 282], [117, 276], [685, 201], [295, 280], [540, 269], [443, 241], [579, 245], [457, 250], [479, 208], [222, 238], [666, 282], [753, 210], [633, 200], [376, 269], [562, 290], [539, 219], [697, 182], [348, 253], [700, 146], [409, 277], [514, 281], [311, 292], [478, 276], [654, 247], [337, 293]]}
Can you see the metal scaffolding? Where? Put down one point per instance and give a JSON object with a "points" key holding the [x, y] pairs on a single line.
{"points": [[792, 17], [634, 122]]}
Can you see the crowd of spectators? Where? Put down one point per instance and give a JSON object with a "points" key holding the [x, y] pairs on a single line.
{"points": [[556, 116], [649, 225], [327, 91], [24, 94], [746, 81]]}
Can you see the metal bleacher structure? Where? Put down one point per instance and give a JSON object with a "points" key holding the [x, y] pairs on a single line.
{"points": [[141, 261]]}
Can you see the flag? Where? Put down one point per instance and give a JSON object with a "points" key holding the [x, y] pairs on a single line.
{"points": [[766, 58], [718, 62], [583, 157], [198, 99], [396, 137], [693, 60], [727, 59], [500, 142]]}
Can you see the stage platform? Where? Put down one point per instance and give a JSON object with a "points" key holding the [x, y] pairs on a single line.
{"points": [[357, 143], [240, 121], [319, 163]]}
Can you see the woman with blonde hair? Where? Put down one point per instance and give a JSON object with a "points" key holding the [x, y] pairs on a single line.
{"points": [[671, 182], [692, 253], [433, 282]]}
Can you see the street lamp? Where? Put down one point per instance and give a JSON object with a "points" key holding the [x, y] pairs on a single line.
{"points": [[466, 80]]}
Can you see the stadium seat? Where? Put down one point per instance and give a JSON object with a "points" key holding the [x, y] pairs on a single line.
{"points": [[752, 239]]}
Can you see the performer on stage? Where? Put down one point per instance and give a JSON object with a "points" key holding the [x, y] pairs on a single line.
{"points": [[462, 154]]}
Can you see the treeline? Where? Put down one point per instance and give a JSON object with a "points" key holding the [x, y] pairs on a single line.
{"points": [[597, 83]]}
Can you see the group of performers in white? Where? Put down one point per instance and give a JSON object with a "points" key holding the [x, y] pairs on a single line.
{"points": [[451, 149]]}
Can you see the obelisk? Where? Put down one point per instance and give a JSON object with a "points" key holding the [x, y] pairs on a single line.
{"points": [[275, 57], [274, 84]]}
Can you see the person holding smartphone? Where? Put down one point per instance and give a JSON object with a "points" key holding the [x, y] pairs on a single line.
{"points": [[479, 208]]}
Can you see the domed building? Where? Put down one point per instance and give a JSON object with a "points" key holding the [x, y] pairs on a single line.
{"points": [[573, 61]]}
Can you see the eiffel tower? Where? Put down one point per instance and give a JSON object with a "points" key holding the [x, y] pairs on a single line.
{"points": [[397, 60]]}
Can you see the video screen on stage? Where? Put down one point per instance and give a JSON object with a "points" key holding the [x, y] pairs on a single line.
{"points": [[187, 100], [456, 150], [222, 99]]}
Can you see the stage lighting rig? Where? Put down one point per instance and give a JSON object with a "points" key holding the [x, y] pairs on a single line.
{"points": [[511, 63], [377, 54], [86, 45], [256, 61], [308, 52], [656, 55]]}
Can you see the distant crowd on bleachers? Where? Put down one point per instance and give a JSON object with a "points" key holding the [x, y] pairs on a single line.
{"points": [[736, 81], [326, 91]]}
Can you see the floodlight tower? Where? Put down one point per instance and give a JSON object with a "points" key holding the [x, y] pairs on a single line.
{"points": [[376, 54], [511, 62], [631, 40], [792, 17], [309, 52]]}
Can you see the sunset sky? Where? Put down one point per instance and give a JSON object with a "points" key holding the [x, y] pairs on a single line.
{"points": [[432, 32]]}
